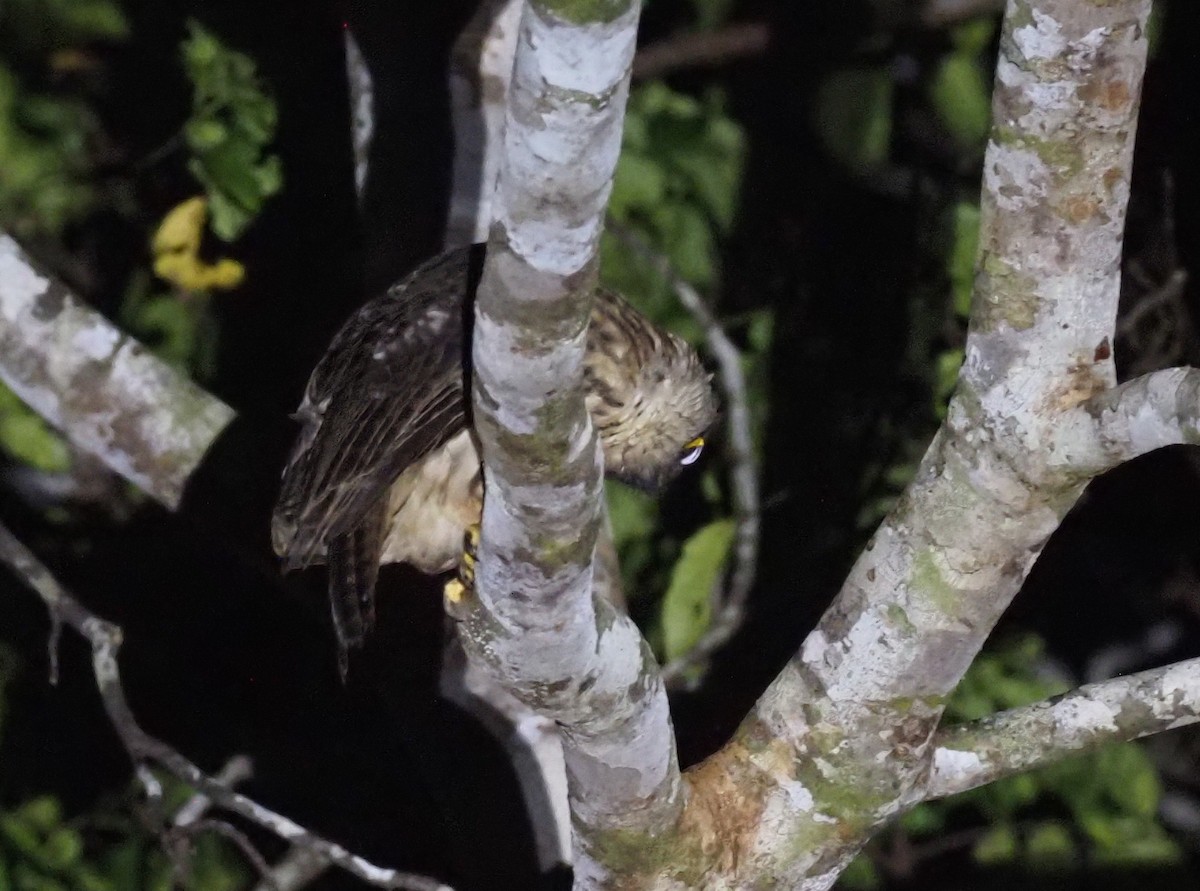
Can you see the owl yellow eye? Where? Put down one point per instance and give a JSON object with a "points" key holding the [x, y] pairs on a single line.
{"points": [[691, 451]]}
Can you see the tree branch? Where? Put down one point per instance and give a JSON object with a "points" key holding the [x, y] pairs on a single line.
{"points": [[480, 69], [99, 386], [534, 622], [701, 49], [1020, 739], [1147, 413], [105, 639], [841, 741]]}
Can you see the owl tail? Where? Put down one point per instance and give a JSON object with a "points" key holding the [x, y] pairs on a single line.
{"points": [[353, 560]]}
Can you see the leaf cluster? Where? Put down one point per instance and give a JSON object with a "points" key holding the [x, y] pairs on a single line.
{"points": [[676, 189], [42, 850], [232, 122]]}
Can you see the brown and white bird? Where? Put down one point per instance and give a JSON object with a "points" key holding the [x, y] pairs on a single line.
{"points": [[386, 468]]}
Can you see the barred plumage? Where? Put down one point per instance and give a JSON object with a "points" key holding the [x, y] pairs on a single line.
{"points": [[385, 468]]}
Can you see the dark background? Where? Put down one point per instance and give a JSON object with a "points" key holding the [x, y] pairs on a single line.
{"points": [[224, 656]]}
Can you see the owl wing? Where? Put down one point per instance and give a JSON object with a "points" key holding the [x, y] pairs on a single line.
{"points": [[388, 391]]}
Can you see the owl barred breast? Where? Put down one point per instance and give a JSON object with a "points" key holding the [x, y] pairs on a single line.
{"points": [[386, 468]]}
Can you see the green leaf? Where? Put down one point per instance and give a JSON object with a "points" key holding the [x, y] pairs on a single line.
{"points": [[204, 134], [689, 241], [639, 182], [975, 37], [961, 96], [43, 813], [854, 116], [20, 835], [95, 20], [26, 437], [63, 849], [923, 820], [998, 846], [687, 609], [1050, 844], [232, 123], [1133, 784], [961, 264], [860, 875]]}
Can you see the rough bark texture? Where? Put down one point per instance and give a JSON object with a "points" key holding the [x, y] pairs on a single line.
{"points": [[842, 740], [1020, 739], [535, 622], [480, 71], [845, 737], [103, 389]]}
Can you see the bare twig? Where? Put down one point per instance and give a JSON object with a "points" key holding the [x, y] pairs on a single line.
{"points": [[237, 769], [701, 49], [105, 639], [295, 869], [729, 612], [238, 839]]}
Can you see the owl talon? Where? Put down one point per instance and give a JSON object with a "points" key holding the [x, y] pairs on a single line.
{"points": [[456, 591], [466, 563]]}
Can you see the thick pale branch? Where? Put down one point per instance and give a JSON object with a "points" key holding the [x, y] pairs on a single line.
{"points": [[103, 389], [841, 740], [105, 639], [1147, 413], [480, 69], [1020, 739], [534, 622]]}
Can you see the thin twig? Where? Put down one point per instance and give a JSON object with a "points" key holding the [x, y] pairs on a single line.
{"points": [[730, 610], [240, 840], [297, 868], [237, 769], [105, 639], [701, 49]]}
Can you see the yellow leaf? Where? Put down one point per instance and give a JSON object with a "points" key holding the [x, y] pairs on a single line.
{"points": [[176, 247], [181, 228]]}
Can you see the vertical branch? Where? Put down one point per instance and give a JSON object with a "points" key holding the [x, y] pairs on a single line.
{"points": [[534, 622], [480, 68]]}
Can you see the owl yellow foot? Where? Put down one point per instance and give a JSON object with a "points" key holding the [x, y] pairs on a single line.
{"points": [[466, 563], [457, 589], [454, 592]]}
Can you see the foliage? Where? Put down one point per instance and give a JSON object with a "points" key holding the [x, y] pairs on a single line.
{"points": [[47, 132], [960, 89], [27, 438], [232, 123], [676, 187], [676, 190], [42, 850], [48, 182], [1098, 807], [687, 607]]}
